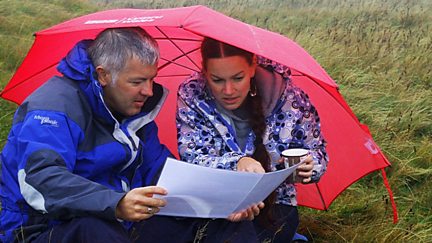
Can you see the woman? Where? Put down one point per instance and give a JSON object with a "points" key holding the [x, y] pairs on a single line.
{"points": [[240, 113]]}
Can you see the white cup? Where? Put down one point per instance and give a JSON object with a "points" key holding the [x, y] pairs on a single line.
{"points": [[291, 157]]}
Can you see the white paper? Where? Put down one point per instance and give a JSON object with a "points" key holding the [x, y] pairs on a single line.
{"points": [[202, 192]]}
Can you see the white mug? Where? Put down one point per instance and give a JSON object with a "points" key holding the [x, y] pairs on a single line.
{"points": [[291, 157]]}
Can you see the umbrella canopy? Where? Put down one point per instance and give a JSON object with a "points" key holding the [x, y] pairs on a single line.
{"points": [[179, 31]]}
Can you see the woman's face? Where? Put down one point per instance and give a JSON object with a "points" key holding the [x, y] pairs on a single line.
{"points": [[228, 78]]}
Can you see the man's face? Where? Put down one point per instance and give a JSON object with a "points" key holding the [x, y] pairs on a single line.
{"points": [[134, 85]]}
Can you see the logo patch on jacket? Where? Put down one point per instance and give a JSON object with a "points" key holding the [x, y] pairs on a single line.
{"points": [[46, 120]]}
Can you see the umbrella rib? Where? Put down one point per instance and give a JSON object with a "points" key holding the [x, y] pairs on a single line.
{"points": [[178, 75], [175, 38], [350, 115], [24, 81], [321, 197], [184, 54], [178, 64]]}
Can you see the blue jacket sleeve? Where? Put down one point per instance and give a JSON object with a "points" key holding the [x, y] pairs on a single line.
{"points": [[48, 142]]}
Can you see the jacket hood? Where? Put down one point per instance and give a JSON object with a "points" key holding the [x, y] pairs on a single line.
{"points": [[78, 66]]}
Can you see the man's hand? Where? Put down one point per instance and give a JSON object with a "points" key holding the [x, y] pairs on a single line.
{"points": [[247, 214], [304, 171], [249, 164], [139, 204]]}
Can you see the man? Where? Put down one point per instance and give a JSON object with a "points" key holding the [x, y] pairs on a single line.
{"points": [[83, 150]]}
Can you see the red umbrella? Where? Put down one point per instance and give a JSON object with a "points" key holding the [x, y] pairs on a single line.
{"points": [[352, 151]]}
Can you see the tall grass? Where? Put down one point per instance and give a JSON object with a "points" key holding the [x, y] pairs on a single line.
{"points": [[18, 21], [378, 51]]}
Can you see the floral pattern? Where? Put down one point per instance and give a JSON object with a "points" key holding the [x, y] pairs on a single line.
{"points": [[207, 139]]}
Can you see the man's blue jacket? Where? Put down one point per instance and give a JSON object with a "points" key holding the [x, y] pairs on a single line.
{"points": [[67, 156]]}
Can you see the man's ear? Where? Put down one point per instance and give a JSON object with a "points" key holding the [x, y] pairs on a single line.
{"points": [[102, 76]]}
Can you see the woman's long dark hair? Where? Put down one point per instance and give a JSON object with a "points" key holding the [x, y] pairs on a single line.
{"points": [[211, 48]]}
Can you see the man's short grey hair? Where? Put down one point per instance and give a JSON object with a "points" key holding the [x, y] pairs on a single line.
{"points": [[112, 48]]}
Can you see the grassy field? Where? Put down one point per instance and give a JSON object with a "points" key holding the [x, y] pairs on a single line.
{"points": [[380, 54]]}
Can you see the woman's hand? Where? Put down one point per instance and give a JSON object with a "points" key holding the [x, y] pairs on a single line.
{"points": [[249, 164], [139, 204], [247, 214], [304, 171]]}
